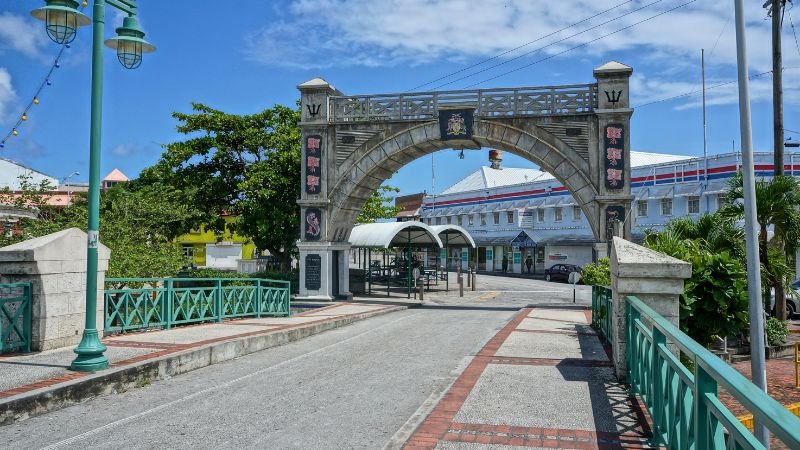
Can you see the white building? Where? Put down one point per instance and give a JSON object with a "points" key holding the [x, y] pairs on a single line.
{"points": [[519, 212], [11, 171]]}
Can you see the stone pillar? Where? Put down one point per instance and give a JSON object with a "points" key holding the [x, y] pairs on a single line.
{"points": [[654, 278], [613, 146], [317, 244], [55, 265]]}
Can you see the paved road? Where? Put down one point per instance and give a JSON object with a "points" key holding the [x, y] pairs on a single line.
{"points": [[353, 387]]}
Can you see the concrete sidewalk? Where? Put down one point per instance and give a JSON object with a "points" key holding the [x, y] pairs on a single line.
{"points": [[543, 381], [36, 383]]}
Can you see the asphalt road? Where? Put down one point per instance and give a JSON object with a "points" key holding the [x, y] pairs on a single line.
{"points": [[360, 386]]}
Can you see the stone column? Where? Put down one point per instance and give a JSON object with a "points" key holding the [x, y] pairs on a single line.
{"points": [[613, 110], [654, 278], [55, 265], [317, 243]]}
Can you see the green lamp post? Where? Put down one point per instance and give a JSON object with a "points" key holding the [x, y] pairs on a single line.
{"points": [[62, 19]]}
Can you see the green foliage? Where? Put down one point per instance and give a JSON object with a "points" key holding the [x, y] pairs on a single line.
{"points": [[714, 302], [777, 331], [379, 206], [241, 165], [598, 274]]}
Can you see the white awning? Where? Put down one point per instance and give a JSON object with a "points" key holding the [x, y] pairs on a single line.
{"points": [[716, 188], [394, 234], [553, 201], [662, 192], [453, 235], [688, 190]]}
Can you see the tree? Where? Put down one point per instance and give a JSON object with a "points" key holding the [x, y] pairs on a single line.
{"points": [[379, 206], [714, 301], [242, 165], [777, 205]]}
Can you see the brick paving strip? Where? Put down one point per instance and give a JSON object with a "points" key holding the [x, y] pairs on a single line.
{"points": [[160, 353], [493, 417]]}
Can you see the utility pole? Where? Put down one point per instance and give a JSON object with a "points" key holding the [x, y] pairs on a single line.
{"points": [[757, 357], [776, 9]]}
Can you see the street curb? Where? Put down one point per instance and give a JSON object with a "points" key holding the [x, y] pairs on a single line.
{"points": [[140, 374]]}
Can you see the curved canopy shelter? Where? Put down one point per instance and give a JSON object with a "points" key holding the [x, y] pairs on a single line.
{"points": [[453, 235], [394, 234]]}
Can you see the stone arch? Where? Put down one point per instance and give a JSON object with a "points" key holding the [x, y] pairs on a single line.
{"points": [[365, 170]]}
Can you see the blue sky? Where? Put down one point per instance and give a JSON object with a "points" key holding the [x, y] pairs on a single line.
{"points": [[245, 58]]}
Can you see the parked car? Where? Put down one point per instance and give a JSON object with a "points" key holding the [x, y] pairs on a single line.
{"points": [[560, 272], [792, 300]]}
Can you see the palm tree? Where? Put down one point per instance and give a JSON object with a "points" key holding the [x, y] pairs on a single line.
{"points": [[777, 205]]}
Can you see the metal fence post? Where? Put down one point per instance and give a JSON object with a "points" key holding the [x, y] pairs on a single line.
{"points": [[656, 393], [169, 297], [704, 384], [218, 297], [27, 316], [258, 298]]}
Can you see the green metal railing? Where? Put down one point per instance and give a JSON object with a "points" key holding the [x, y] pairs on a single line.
{"points": [[601, 310], [140, 303], [683, 404], [15, 317]]}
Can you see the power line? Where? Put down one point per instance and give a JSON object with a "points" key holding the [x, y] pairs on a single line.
{"points": [[584, 44], [797, 46], [720, 35], [791, 131], [548, 45], [520, 46]]}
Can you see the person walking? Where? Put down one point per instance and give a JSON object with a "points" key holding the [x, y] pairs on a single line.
{"points": [[529, 262], [505, 263]]}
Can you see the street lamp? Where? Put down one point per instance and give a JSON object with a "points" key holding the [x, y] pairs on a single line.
{"points": [[62, 19]]}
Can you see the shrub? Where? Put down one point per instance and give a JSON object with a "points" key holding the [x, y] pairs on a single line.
{"points": [[777, 331], [597, 273]]}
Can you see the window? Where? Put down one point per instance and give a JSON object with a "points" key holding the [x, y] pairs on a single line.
{"points": [[510, 217], [722, 201], [641, 208], [540, 215], [460, 220], [496, 218], [694, 205], [576, 213], [666, 206], [438, 221], [188, 251], [470, 219], [449, 220], [483, 220], [557, 211]]}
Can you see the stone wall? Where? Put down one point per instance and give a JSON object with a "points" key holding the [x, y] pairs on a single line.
{"points": [[654, 278], [55, 265]]}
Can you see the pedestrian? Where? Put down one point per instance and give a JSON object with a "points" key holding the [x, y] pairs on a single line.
{"points": [[505, 263], [529, 262]]}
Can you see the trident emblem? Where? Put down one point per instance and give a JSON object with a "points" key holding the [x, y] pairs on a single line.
{"points": [[613, 97], [313, 109]]}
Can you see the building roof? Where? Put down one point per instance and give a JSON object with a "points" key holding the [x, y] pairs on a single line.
{"points": [[486, 177], [116, 175], [394, 234]]}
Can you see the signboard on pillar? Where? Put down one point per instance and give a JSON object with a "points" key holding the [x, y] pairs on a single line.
{"points": [[614, 137], [313, 268], [313, 160], [456, 123], [312, 226]]}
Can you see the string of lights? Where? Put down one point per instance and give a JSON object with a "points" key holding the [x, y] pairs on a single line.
{"points": [[35, 99]]}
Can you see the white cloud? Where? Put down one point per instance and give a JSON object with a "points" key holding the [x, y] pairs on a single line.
{"points": [[7, 94], [664, 51], [123, 150], [23, 35]]}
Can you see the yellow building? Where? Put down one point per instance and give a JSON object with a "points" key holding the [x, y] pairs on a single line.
{"points": [[207, 249]]}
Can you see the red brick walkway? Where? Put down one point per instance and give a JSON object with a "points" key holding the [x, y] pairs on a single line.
{"points": [[442, 429]]}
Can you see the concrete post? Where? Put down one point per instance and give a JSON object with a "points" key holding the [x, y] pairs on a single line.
{"points": [[653, 277], [55, 265]]}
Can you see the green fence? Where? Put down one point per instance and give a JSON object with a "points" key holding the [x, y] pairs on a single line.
{"points": [[140, 303], [15, 317], [601, 310], [683, 404]]}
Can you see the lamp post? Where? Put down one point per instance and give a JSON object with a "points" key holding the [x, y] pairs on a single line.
{"points": [[62, 19], [67, 181]]}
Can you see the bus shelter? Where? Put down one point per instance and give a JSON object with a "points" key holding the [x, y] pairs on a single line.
{"points": [[401, 267], [452, 236]]}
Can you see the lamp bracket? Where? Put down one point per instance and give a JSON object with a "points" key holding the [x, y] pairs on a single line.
{"points": [[126, 6]]}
